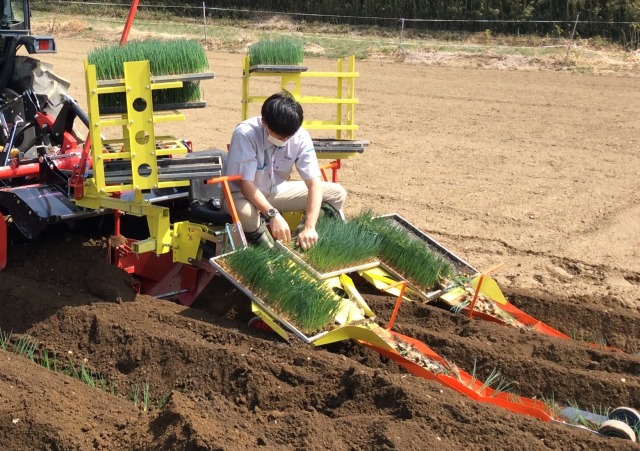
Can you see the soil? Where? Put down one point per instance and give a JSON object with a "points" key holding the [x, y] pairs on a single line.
{"points": [[535, 169]]}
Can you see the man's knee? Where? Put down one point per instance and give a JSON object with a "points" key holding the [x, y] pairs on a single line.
{"points": [[248, 215], [335, 195]]}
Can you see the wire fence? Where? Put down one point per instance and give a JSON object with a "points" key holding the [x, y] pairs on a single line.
{"points": [[624, 32]]}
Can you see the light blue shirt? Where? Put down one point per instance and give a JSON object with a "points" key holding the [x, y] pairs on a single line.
{"points": [[267, 166]]}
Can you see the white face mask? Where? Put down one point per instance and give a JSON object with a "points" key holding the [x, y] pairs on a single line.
{"points": [[275, 141]]}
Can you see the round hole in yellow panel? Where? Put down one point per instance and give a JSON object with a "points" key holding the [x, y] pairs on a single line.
{"points": [[144, 170], [142, 137], [139, 104]]}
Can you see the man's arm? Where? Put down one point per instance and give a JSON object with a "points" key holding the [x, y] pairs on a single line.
{"points": [[308, 237], [278, 225]]}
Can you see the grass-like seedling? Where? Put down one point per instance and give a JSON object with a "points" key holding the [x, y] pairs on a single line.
{"points": [[280, 51], [342, 244], [173, 57], [495, 380], [552, 404], [86, 376], [5, 339], [49, 361], [406, 254], [163, 400], [135, 395], [26, 347], [287, 287]]}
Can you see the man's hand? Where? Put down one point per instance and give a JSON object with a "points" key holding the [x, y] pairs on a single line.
{"points": [[280, 229], [307, 238]]}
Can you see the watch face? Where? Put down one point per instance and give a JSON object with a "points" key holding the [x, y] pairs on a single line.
{"points": [[272, 213]]}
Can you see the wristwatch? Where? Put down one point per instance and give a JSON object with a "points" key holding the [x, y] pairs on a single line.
{"points": [[272, 213]]}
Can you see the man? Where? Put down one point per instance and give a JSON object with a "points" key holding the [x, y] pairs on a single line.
{"points": [[264, 150]]}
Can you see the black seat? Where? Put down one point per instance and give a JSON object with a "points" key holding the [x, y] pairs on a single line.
{"points": [[205, 200]]}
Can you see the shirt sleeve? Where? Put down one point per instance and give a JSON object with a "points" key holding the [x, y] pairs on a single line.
{"points": [[241, 158], [307, 160]]}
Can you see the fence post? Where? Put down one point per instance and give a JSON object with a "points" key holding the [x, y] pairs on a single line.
{"points": [[401, 33], [204, 21], [573, 32]]}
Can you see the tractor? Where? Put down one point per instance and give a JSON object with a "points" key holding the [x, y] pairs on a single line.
{"points": [[27, 86]]}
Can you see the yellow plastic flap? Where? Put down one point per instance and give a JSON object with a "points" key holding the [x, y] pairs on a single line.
{"points": [[361, 333], [351, 290], [382, 280], [490, 289], [349, 310], [452, 295], [255, 308]]}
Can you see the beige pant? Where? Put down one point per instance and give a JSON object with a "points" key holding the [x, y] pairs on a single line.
{"points": [[292, 196]]}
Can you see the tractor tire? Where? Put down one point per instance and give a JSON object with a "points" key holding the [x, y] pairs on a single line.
{"points": [[30, 74]]}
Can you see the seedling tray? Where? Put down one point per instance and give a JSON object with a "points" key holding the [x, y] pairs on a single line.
{"points": [[299, 260]]}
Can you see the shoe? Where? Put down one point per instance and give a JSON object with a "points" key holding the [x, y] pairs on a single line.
{"points": [[329, 211], [257, 323], [260, 237]]}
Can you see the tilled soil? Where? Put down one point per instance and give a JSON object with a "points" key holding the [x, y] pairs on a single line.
{"points": [[536, 169]]}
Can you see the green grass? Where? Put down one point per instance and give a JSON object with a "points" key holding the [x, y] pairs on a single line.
{"points": [[287, 287], [277, 51], [331, 40], [174, 57]]}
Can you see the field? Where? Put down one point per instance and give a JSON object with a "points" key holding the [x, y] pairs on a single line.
{"points": [[537, 169]]}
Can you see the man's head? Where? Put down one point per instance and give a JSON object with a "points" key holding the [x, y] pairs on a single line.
{"points": [[282, 115]]}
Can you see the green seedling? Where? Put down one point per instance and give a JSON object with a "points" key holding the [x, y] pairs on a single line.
{"points": [[459, 307], [87, 377], [135, 395], [164, 400], [173, 57], [285, 286], [146, 395], [405, 253], [342, 244], [44, 359], [278, 51], [5, 339], [551, 403], [26, 347]]}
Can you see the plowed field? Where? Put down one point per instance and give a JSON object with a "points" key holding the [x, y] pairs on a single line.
{"points": [[539, 170]]}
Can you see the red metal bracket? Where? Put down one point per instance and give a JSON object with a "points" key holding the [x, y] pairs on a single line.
{"points": [[3, 243]]}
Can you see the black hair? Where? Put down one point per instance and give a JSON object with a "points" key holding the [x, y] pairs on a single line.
{"points": [[282, 114]]}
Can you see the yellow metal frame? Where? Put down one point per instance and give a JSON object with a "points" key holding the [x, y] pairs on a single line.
{"points": [[344, 100], [140, 147]]}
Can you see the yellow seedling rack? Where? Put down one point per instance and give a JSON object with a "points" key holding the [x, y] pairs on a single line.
{"points": [[135, 164], [291, 80]]}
